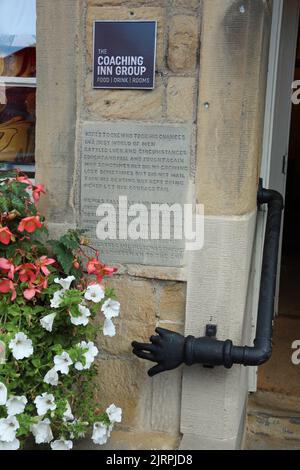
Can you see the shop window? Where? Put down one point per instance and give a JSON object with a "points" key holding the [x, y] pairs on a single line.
{"points": [[17, 84]]}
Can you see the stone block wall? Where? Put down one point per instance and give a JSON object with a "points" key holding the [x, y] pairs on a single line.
{"points": [[211, 76], [177, 61], [151, 406], [149, 296]]}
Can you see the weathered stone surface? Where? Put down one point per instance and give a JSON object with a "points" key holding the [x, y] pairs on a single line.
{"points": [[58, 230], [172, 302], [104, 3], [137, 298], [132, 161], [232, 79], [127, 3], [177, 327], [186, 4], [140, 105], [55, 131], [122, 382], [124, 440], [123, 13], [183, 43], [180, 99], [157, 272], [167, 397]]}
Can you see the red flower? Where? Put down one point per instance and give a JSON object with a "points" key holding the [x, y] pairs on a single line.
{"points": [[28, 272], [7, 266], [43, 262], [94, 266], [109, 271], [24, 179], [30, 224], [29, 293], [32, 290], [5, 235], [6, 286], [37, 191]]}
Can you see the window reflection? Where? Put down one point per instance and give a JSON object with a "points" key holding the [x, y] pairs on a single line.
{"points": [[19, 64], [17, 125]]}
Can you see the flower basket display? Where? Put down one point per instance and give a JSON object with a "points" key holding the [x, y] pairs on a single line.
{"points": [[53, 305]]}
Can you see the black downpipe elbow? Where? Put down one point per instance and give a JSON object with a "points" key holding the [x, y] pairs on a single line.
{"points": [[170, 349]]}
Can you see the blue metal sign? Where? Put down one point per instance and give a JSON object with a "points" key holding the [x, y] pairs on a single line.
{"points": [[124, 54]]}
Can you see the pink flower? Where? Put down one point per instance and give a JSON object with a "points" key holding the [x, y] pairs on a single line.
{"points": [[36, 288], [43, 262], [100, 270], [5, 235], [37, 191], [30, 224], [7, 266], [23, 179], [93, 265], [28, 272], [109, 271], [29, 293], [6, 286]]}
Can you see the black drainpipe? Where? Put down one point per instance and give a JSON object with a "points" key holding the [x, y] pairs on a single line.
{"points": [[171, 349]]}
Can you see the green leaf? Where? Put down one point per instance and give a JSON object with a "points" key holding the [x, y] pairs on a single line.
{"points": [[70, 240], [74, 310], [64, 257], [4, 204], [18, 204], [19, 189], [36, 362]]}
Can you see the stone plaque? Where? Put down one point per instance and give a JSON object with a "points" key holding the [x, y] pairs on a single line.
{"points": [[127, 164]]}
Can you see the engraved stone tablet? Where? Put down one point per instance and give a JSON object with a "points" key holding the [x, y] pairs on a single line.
{"points": [[143, 164]]}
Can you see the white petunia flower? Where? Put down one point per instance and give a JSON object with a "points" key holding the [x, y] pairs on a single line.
{"points": [[57, 298], [44, 403], [62, 362], [101, 433], [79, 366], [111, 309], [51, 377], [65, 283], [109, 328], [81, 319], [114, 414], [42, 432], [89, 355], [95, 293], [16, 405], [8, 428], [47, 321], [21, 346], [61, 444], [92, 350], [3, 394], [68, 416], [13, 445]]}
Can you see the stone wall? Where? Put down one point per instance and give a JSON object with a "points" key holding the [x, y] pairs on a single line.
{"points": [[210, 75], [149, 296], [151, 406], [233, 72]]}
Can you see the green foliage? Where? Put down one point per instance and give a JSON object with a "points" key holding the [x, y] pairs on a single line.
{"points": [[64, 250], [37, 269]]}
